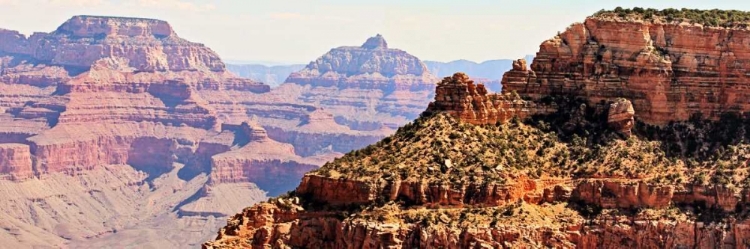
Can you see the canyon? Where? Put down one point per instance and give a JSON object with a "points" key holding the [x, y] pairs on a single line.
{"points": [[116, 131], [603, 142]]}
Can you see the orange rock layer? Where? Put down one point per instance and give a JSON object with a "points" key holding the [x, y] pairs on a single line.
{"points": [[283, 223]]}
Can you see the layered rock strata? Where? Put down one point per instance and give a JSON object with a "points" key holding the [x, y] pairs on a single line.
{"points": [[670, 70], [346, 99], [107, 86]]}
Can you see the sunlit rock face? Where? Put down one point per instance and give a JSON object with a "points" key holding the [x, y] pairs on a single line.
{"points": [[669, 70]]}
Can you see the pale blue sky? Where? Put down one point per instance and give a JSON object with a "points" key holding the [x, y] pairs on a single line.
{"points": [[301, 30]]}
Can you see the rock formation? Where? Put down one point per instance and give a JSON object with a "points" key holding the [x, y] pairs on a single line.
{"points": [[370, 66], [620, 116], [460, 97], [442, 182], [670, 70], [106, 85]]}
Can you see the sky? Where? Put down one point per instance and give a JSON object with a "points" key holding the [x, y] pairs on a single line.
{"points": [[299, 31]]}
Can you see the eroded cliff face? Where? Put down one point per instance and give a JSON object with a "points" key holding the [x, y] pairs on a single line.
{"points": [[149, 45], [389, 205], [281, 227], [15, 161], [669, 70]]}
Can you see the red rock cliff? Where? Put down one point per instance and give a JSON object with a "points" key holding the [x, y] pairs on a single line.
{"points": [[669, 70]]}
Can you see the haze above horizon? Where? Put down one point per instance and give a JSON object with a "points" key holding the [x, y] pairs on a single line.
{"points": [[296, 31]]}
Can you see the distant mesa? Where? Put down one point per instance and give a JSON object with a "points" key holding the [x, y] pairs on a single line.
{"points": [[370, 66], [103, 26]]}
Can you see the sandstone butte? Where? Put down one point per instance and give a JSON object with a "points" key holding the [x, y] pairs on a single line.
{"points": [[113, 127], [602, 143]]}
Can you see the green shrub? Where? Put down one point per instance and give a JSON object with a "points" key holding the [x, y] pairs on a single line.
{"points": [[713, 18]]}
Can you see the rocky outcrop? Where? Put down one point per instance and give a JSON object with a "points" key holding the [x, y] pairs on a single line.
{"points": [[669, 70], [460, 97], [605, 193], [620, 116], [285, 223], [347, 99]]}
